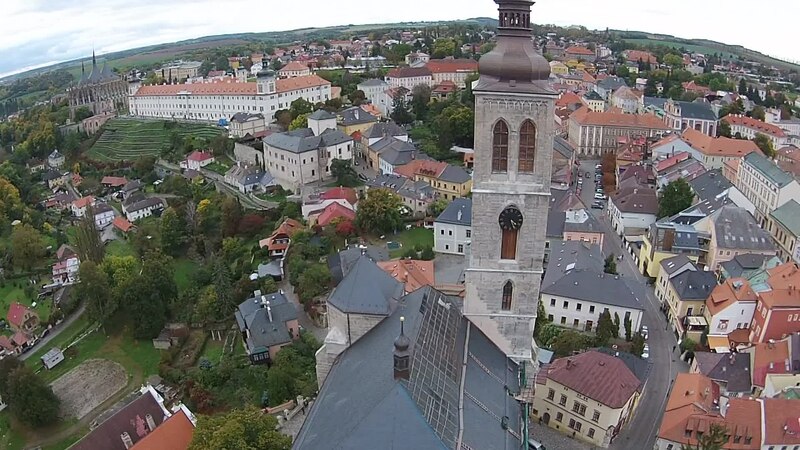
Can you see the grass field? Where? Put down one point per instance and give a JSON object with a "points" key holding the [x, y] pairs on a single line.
{"points": [[674, 44], [129, 139], [11, 293], [183, 272], [412, 238]]}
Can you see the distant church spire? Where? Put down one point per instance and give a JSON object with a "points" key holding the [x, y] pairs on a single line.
{"points": [[94, 60], [83, 69]]}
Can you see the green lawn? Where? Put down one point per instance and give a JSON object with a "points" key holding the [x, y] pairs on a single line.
{"points": [[414, 237], [675, 44], [120, 248], [212, 351], [10, 293], [62, 340], [183, 272], [218, 167], [9, 438]]}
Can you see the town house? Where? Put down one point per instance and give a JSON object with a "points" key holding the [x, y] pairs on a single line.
{"points": [[765, 185], [452, 230], [267, 323]]}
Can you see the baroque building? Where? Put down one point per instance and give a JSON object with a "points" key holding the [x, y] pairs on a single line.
{"points": [[101, 90], [514, 108]]}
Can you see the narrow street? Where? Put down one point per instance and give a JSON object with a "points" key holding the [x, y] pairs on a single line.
{"points": [[640, 432]]}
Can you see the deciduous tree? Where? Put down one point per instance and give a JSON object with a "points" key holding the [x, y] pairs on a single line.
{"points": [[765, 144], [27, 246], [568, 342], [345, 174], [173, 232], [30, 399], [247, 429], [379, 212], [299, 122], [605, 329], [95, 291], [674, 198]]}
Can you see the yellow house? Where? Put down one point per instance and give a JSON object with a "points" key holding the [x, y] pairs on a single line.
{"points": [[558, 68], [665, 239], [589, 396], [670, 268], [447, 180], [355, 119], [685, 296]]}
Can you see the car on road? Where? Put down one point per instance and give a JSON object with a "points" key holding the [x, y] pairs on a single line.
{"points": [[535, 445], [646, 352], [362, 177], [599, 196], [644, 332], [597, 204]]}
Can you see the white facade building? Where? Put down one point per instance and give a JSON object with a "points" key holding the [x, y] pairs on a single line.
{"points": [[142, 208], [765, 185], [452, 230]]}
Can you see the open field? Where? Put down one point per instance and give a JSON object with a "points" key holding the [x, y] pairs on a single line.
{"points": [[10, 293], [412, 238], [675, 44], [87, 386], [130, 139]]}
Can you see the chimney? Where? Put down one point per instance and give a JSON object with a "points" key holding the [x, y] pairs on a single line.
{"points": [[126, 439], [402, 357], [151, 424], [570, 363]]}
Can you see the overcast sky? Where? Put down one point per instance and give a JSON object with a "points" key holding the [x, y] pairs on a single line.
{"points": [[41, 32]]}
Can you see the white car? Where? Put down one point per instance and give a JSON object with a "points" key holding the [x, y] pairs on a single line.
{"points": [[599, 196], [644, 332], [646, 352]]}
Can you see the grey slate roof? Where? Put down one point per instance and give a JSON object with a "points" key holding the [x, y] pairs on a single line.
{"points": [[768, 169], [611, 83], [404, 187], [355, 116], [454, 174], [789, 216], [658, 102], [572, 255], [710, 185], [592, 95], [321, 114], [672, 265], [303, 140], [394, 151], [563, 147], [340, 263], [638, 366], [383, 129], [694, 285], [696, 110], [458, 212], [133, 185], [730, 368], [361, 405], [252, 315], [594, 286], [366, 289], [242, 117], [740, 264], [734, 227], [143, 204]]}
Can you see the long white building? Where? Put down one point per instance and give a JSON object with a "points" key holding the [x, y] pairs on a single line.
{"points": [[221, 99]]}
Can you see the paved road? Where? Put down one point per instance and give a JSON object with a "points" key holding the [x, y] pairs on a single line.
{"points": [[640, 433], [54, 332]]}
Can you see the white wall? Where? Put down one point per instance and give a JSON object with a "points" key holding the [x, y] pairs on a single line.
{"points": [[621, 221], [447, 237], [586, 313], [738, 315]]}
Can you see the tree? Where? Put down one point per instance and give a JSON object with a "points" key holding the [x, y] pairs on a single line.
{"points": [[567, 343], [437, 207], [443, 48], [299, 122], [379, 212], [421, 96], [345, 174], [610, 265], [313, 282], [87, 239], [27, 246], [221, 145], [616, 325], [173, 232], [758, 113], [400, 112], [455, 125], [231, 216], [300, 106], [357, 97], [628, 325], [345, 228], [283, 117], [673, 60], [714, 439], [541, 320], [95, 292], [427, 253], [30, 399], [637, 344], [724, 129], [674, 198], [7, 365], [605, 329], [155, 289], [246, 429], [742, 86], [10, 203], [765, 144]]}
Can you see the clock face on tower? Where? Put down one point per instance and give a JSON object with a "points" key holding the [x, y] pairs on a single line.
{"points": [[510, 219]]}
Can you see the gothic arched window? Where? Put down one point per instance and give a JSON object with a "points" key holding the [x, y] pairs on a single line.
{"points": [[527, 147], [500, 147], [508, 292]]}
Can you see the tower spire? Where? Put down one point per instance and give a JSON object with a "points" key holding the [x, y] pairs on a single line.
{"points": [[94, 59]]}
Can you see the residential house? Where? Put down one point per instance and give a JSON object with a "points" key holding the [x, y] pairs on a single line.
{"points": [[175, 433], [56, 159], [22, 319], [594, 101], [682, 165], [62, 200], [451, 70], [753, 268], [671, 268], [579, 53], [294, 69], [55, 179], [778, 309], [596, 133], [632, 209], [626, 99], [278, 242], [671, 236], [123, 225], [606, 86], [409, 77], [578, 224], [558, 68], [417, 196], [748, 128], [373, 90], [251, 178], [138, 207], [344, 196], [730, 371], [197, 160], [390, 153], [243, 124], [103, 215], [784, 225], [713, 152], [590, 396], [417, 59], [730, 307], [773, 357], [452, 230], [765, 185], [686, 296], [65, 269], [414, 274], [113, 182], [130, 188], [640, 56], [697, 115], [267, 323], [380, 130], [332, 213], [563, 162], [79, 206], [733, 231], [354, 119], [577, 299], [449, 181]]}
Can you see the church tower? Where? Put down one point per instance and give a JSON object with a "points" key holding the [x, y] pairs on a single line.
{"points": [[514, 109]]}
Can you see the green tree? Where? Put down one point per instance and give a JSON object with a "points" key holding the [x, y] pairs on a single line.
{"points": [[628, 325], [242, 429], [95, 292], [345, 174], [379, 212], [10, 203], [437, 207], [156, 288], [673, 60], [674, 198], [7, 365], [427, 253], [221, 145], [714, 439], [455, 126], [400, 112], [637, 344], [357, 97], [173, 232], [610, 265], [30, 399], [443, 48], [27, 246], [541, 320], [758, 113], [567, 343], [724, 129], [616, 325], [314, 281], [87, 239], [300, 106], [421, 96], [765, 144], [231, 216], [299, 122], [742, 86], [605, 329]]}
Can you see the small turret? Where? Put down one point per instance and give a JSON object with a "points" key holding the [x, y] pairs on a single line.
{"points": [[266, 82], [402, 357]]}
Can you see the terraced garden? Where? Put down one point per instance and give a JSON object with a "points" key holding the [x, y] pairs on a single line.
{"points": [[130, 139]]}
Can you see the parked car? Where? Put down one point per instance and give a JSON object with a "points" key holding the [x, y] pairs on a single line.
{"points": [[597, 205], [646, 351], [644, 332], [599, 196]]}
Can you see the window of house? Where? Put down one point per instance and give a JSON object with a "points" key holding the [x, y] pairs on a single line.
{"points": [[563, 400], [591, 309], [552, 302], [442, 232], [551, 394], [469, 233], [527, 147], [508, 292], [566, 304], [550, 317], [500, 147], [446, 247], [596, 416], [559, 417], [588, 326], [449, 232], [576, 323], [460, 248], [563, 320], [590, 433], [578, 307]]}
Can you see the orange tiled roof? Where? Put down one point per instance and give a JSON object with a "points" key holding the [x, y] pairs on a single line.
{"points": [[732, 291], [114, 181], [122, 224], [781, 424], [692, 397], [293, 66], [287, 228], [585, 116], [757, 125], [452, 65], [422, 167], [228, 87], [16, 313], [413, 273], [783, 276], [636, 55], [769, 358], [568, 98], [83, 201], [174, 433], [576, 50], [344, 193], [335, 211], [721, 146]]}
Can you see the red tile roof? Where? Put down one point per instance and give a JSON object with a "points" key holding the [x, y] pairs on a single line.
{"points": [[408, 72], [671, 161], [423, 167], [452, 65], [229, 87], [16, 313], [732, 291], [174, 433], [19, 338], [567, 99], [83, 201], [721, 146], [782, 421], [692, 398], [414, 274], [5, 342], [575, 50], [596, 375], [287, 228], [199, 156], [293, 66], [769, 358], [122, 224], [335, 211], [114, 181], [636, 55], [585, 116], [344, 193], [754, 124]]}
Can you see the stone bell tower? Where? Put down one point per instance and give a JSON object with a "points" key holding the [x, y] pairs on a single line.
{"points": [[514, 109]]}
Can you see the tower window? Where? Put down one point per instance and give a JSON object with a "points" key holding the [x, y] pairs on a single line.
{"points": [[527, 146], [508, 292], [500, 147]]}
